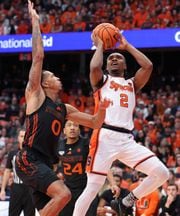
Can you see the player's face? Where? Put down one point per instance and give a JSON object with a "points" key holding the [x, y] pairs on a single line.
{"points": [[51, 81], [71, 129], [21, 138], [116, 64], [55, 81]]}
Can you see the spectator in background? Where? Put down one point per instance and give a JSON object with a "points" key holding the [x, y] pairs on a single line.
{"points": [[148, 24], [22, 27], [12, 27], [170, 203], [45, 26], [107, 196], [147, 205], [13, 108], [140, 16], [177, 169], [68, 25], [3, 137], [79, 24], [20, 197], [57, 26], [3, 113]]}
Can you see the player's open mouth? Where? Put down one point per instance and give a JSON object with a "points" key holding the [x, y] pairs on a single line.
{"points": [[114, 63]]}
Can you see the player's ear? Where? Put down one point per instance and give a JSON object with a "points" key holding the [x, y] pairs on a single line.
{"points": [[45, 84], [125, 65]]}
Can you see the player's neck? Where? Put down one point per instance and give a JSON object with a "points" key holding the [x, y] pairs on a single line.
{"points": [[71, 140], [54, 96]]}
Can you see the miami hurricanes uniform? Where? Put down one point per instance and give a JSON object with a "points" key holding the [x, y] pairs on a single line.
{"points": [[34, 163], [73, 159]]}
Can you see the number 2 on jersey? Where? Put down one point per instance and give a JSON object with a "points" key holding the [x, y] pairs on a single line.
{"points": [[124, 100]]}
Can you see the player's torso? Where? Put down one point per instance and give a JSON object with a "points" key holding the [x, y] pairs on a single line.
{"points": [[73, 160], [122, 96], [44, 127]]}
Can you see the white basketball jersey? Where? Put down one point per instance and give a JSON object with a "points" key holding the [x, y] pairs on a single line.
{"points": [[122, 96]]}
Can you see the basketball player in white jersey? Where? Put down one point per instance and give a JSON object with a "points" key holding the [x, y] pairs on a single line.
{"points": [[115, 140]]}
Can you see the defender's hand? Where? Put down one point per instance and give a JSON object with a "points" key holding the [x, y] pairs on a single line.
{"points": [[105, 103], [32, 12]]}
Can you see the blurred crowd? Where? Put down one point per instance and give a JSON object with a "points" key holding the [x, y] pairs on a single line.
{"points": [[84, 15]]}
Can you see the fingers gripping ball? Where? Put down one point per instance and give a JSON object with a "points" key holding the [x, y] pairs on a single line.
{"points": [[108, 33]]}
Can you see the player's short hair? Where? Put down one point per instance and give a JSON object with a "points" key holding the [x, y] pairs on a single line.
{"points": [[117, 175]]}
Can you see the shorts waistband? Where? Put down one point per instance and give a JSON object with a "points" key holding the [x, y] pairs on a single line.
{"points": [[37, 156], [118, 129]]}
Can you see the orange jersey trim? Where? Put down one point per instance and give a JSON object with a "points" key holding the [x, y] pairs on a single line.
{"points": [[94, 143], [35, 123]]}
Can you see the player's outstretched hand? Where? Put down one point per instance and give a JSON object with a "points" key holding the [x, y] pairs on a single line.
{"points": [[32, 12], [105, 103]]}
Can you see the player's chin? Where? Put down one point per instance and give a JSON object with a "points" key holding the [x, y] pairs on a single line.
{"points": [[114, 68], [60, 86]]}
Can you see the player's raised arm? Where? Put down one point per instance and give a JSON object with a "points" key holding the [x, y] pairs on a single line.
{"points": [[92, 121], [34, 83], [143, 74], [96, 73]]}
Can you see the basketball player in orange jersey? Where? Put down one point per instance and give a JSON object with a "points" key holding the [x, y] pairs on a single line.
{"points": [[115, 140], [45, 118]]}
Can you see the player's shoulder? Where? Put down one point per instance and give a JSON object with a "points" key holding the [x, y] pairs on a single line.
{"points": [[62, 143], [12, 153], [84, 140]]}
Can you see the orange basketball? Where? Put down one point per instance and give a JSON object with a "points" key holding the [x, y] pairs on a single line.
{"points": [[108, 34]]}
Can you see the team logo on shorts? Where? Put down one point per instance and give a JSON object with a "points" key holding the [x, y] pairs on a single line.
{"points": [[61, 152]]}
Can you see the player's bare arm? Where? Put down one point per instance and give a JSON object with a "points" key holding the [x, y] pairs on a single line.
{"points": [[34, 93], [5, 180], [143, 74], [114, 188], [96, 73], [91, 121]]}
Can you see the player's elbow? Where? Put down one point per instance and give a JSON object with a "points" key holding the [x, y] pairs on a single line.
{"points": [[97, 124], [39, 57], [149, 67]]}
